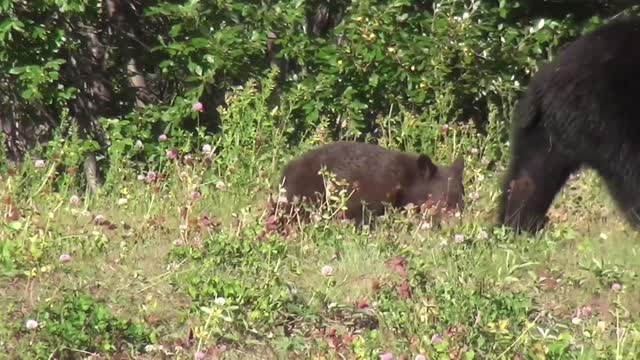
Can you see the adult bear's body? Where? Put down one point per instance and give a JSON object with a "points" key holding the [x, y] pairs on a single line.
{"points": [[581, 109]]}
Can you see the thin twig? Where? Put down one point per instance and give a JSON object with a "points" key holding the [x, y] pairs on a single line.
{"points": [[521, 335]]}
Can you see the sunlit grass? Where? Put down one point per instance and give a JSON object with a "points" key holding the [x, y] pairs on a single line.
{"points": [[168, 254]]}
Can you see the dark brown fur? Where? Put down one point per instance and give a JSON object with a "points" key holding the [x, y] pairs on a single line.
{"points": [[377, 176]]}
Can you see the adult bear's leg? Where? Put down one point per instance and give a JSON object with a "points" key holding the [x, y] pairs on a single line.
{"points": [[537, 172], [625, 191]]}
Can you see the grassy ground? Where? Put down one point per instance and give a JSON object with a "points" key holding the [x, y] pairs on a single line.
{"points": [[175, 274]]}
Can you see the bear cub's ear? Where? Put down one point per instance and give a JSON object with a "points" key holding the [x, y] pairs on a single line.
{"points": [[426, 166]]}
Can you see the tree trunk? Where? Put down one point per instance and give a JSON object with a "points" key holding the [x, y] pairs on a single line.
{"points": [[125, 24], [86, 72]]}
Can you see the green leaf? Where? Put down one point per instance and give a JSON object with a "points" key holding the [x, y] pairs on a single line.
{"points": [[313, 115], [373, 80], [200, 43], [195, 68], [15, 225], [27, 94], [17, 70]]}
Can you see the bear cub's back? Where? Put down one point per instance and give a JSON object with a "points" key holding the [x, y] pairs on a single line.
{"points": [[355, 161]]}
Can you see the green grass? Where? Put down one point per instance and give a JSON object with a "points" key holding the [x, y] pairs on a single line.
{"points": [[152, 274]]}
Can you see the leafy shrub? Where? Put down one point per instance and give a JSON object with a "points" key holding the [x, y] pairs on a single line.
{"points": [[79, 322], [244, 273], [440, 61]]}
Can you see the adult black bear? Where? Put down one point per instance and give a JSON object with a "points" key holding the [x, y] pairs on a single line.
{"points": [[581, 109], [376, 176]]}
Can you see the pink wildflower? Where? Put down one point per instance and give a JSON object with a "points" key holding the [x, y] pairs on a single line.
{"points": [[199, 107]]}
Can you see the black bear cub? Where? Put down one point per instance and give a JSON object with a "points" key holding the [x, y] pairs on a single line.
{"points": [[375, 176], [581, 109]]}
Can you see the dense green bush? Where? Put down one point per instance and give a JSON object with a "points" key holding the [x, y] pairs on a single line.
{"points": [[79, 322], [342, 66]]}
